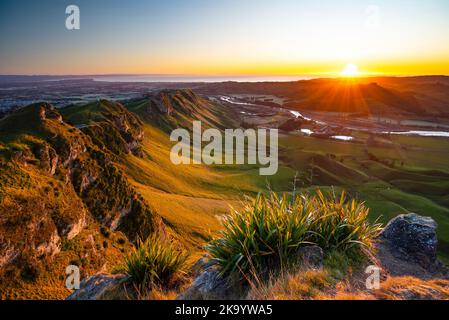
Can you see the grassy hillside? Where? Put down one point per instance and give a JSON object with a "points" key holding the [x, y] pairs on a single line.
{"points": [[111, 164], [410, 177], [191, 198], [408, 174], [419, 96], [63, 200]]}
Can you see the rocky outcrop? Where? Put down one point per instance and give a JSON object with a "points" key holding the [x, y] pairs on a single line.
{"points": [[114, 128], [170, 109], [57, 181], [74, 228], [104, 287], [408, 246], [114, 221], [50, 247], [166, 102], [210, 285], [92, 172], [7, 253], [49, 158], [159, 103], [48, 111], [413, 237]]}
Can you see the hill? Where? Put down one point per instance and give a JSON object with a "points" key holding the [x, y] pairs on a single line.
{"points": [[59, 186], [84, 182], [425, 96]]}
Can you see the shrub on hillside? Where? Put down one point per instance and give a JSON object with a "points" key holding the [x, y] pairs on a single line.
{"points": [[154, 262], [266, 234]]}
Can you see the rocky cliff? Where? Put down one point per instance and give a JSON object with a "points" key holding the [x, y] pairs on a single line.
{"points": [[110, 125], [170, 109], [59, 184]]}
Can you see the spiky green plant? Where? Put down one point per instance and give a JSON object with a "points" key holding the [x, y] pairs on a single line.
{"points": [[154, 261], [341, 224], [268, 231]]}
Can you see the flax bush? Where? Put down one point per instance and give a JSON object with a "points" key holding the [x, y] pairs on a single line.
{"points": [[268, 231], [153, 261]]}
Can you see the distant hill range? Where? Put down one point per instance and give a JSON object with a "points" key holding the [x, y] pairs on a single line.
{"points": [[418, 96], [421, 96]]}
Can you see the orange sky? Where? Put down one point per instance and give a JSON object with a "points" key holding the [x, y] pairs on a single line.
{"points": [[199, 37]]}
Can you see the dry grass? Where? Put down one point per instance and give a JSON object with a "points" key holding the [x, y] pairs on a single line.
{"points": [[302, 285], [412, 288], [319, 285], [156, 293]]}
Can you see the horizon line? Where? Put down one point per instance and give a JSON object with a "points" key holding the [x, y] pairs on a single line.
{"points": [[314, 75]]}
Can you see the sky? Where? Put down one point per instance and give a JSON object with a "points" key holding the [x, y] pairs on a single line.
{"points": [[220, 37]]}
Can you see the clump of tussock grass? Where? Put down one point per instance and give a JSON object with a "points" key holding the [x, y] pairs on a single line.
{"points": [[154, 261], [266, 234]]}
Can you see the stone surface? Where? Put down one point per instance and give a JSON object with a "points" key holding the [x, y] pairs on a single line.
{"points": [[73, 229], [50, 247], [7, 253], [413, 237], [104, 287], [408, 246], [209, 285], [311, 256], [200, 265]]}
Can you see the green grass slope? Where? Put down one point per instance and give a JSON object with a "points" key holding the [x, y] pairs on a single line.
{"points": [[117, 160]]}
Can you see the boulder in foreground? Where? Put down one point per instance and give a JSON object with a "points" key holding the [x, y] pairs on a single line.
{"points": [[408, 246]]}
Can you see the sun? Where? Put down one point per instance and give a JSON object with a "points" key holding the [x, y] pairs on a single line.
{"points": [[350, 70]]}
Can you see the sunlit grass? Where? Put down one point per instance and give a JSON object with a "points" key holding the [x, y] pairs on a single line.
{"points": [[268, 231], [154, 262]]}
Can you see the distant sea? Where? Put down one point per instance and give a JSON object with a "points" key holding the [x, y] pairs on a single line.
{"points": [[186, 78], [21, 90], [7, 79]]}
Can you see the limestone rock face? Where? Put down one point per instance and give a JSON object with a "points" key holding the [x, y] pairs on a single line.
{"points": [[49, 157], [7, 253], [159, 104], [73, 229], [62, 181], [51, 247], [48, 111]]}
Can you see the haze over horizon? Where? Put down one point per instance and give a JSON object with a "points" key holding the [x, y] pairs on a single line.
{"points": [[251, 38]]}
